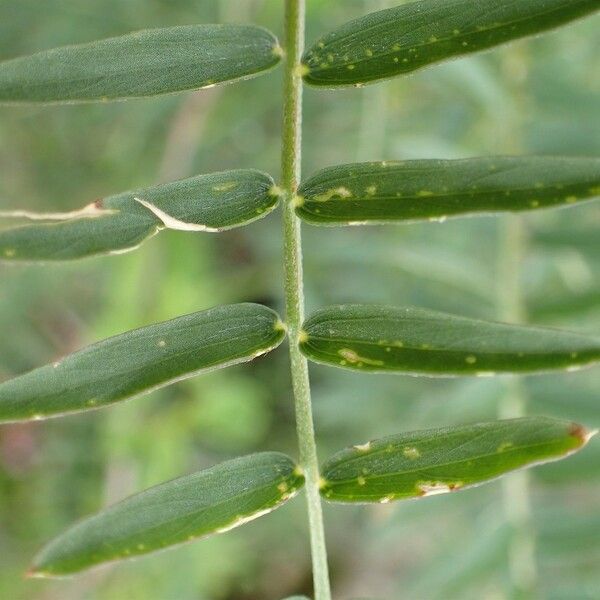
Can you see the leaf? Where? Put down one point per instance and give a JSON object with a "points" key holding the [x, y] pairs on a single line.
{"points": [[414, 190], [437, 461], [405, 38], [120, 223], [211, 501], [425, 342], [142, 360], [143, 63]]}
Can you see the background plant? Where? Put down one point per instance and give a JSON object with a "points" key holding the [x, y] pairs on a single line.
{"points": [[359, 435]]}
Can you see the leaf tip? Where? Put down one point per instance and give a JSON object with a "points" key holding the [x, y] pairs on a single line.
{"points": [[36, 573], [581, 433]]}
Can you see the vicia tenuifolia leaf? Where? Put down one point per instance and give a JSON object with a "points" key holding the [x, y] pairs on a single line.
{"points": [[437, 461], [414, 190], [144, 63], [424, 342], [142, 360], [399, 40], [211, 501], [117, 224]]}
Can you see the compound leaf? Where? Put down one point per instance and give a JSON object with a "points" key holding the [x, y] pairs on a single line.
{"points": [[423, 342], [144, 63], [413, 190], [117, 224], [437, 461], [142, 360], [210, 501], [405, 38]]}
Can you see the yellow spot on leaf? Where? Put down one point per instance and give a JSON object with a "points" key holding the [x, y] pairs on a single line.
{"points": [[224, 187], [471, 360], [505, 446], [363, 447], [411, 452], [339, 192], [352, 357]]}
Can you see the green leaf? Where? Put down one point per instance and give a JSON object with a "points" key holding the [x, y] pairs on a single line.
{"points": [[425, 342], [213, 202], [211, 501], [144, 63], [142, 360], [405, 38], [415, 190], [437, 461]]}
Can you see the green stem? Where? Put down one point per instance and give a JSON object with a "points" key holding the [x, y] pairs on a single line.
{"points": [[516, 488], [294, 289], [512, 249]]}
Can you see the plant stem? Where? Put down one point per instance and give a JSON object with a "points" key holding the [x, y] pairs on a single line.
{"points": [[516, 488], [511, 308], [294, 289]]}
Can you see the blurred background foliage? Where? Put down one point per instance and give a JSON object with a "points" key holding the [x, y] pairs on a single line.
{"points": [[538, 96]]}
